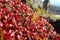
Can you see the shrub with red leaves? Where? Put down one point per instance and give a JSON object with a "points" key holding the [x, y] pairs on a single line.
{"points": [[17, 24]]}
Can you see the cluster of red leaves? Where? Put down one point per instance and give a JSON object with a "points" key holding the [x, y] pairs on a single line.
{"points": [[16, 22]]}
